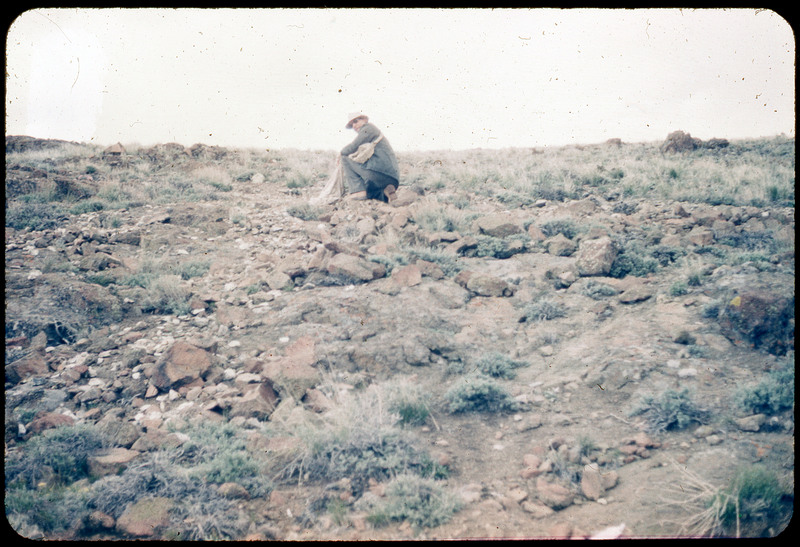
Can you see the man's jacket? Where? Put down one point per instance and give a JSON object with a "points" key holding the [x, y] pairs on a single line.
{"points": [[383, 160]]}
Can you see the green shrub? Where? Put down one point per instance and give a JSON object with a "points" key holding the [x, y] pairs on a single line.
{"points": [[597, 290], [477, 393], [36, 216], [53, 509], [421, 502], [631, 260], [543, 310], [567, 227], [361, 443], [409, 401], [679, 288], [195, 268], [495, 247], [87, 206], [672, 410], [773, 394], [62, 452], [304, 211], [498, 365], [752, 502]]}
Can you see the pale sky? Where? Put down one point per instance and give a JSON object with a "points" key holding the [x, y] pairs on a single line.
{"points": [[430, 79]]}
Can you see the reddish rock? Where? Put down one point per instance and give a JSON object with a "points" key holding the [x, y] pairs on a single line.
{"points": [[145, 518], [49, 420], [182, 364], [407, 276]]}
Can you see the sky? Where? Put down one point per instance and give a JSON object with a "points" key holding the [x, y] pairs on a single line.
{"points": [[430, 79]]}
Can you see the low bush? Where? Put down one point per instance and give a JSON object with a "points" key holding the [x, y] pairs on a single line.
{"points": [[304, 211], [773, 394], [752, 502], [544, 309], [672, 410], [58, 455], [498, 365], [477, 393], [421, 502]]}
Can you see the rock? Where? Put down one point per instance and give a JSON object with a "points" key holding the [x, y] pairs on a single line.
{"points": [[461, 246], [232, 490], [537, 509], [609, 479], [591, 483], [181, 364], [277, 280], [293, 374], [498, 225], [701, 236], [751, 423], [763, 317], [407, 276], [635, 294], [596, 256], [111, 462], [517, 494], [355, 268], [32, 365], [488, 285], [258, 402], [145, 518], [560, 245], [49, 420], [552, 494]]}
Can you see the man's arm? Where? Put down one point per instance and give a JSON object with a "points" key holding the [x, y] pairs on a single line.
{"points": [[368, 133]]}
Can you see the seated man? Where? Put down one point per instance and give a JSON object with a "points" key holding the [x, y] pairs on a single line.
{"points": [[376, 178]]}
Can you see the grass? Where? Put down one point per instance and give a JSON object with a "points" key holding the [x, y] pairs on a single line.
{"points": [[753, 504], [497, 365], [361, 440]]}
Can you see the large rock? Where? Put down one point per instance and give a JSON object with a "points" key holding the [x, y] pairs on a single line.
{"points": [[50, 420], [355, 268], [488, 285], [763, 318], [111, 462], [31, 365], [258, 402], [591, 483], [498, 225], [596, 256], [145, 518], [553, 495], [181, 364], [294, 374], [560, 245]]}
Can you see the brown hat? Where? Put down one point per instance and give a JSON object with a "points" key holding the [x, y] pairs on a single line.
{"points": [[353, 116]]}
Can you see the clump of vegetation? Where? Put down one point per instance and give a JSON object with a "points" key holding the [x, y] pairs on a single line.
{"points": [[361, 442], [496, 247], [544, 309], [672, 410], [752, 501], [304, 211], [773, 394], [421, 502], [498, 365], [58, 455], [409, 401], [633, 260], [566, 227], [596, 290], [477, 393]]}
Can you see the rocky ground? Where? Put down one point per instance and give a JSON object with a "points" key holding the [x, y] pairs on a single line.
{"points": [[292, 313]]}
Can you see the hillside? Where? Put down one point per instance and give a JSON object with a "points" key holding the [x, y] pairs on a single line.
{"points": [[529, 343]]}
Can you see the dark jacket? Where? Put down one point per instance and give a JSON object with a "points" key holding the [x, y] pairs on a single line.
{"points": [[383, 160]]}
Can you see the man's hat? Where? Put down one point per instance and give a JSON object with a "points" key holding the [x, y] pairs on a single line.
{"points": [[353, 116]]}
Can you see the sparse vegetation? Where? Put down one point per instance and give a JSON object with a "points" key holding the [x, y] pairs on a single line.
{"points": [[671, 410], [477, 393], [413, 499], [773, 394]]}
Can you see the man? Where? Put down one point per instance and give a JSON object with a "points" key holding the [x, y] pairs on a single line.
{"points": [[376, 178]]}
